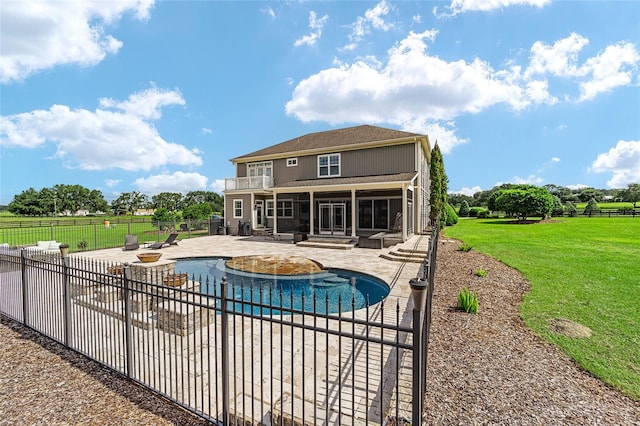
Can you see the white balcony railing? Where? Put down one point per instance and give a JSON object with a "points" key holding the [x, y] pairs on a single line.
{"points": [[255, 182]]}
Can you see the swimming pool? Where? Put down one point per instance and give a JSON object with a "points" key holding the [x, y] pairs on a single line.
{"points": [[327, 291]]}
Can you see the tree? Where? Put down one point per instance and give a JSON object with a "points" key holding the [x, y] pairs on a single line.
{"points": [[464, 209], [571, 209], [592, 207], [172, 201], [439, 185], [524, 201], [129, 202], [631, 194], [197, 211], [588, 193], [457, 199], [558, 209], [197, 197], [27, 203]]}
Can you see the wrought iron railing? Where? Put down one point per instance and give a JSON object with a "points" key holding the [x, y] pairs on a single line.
{"points": [[227, 357]]}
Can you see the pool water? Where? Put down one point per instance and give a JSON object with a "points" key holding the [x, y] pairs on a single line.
{"points": [[328, 291]]}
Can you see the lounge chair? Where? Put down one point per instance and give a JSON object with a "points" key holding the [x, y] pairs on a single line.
{"points": [[170, 241], [131, 242]]}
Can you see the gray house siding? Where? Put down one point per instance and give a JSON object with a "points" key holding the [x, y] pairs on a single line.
{"points": [[362, 162], [378, 161]]}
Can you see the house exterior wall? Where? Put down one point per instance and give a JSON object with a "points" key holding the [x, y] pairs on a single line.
{"points": [[362, 162], [400, 167]]}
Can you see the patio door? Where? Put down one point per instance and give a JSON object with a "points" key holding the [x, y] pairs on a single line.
{"points": [[332, 218], [259, 214]]}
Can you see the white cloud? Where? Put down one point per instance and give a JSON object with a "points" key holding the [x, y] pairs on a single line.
{"points": [[442, 133], [468, 191], [111, 182], [610, 69], [316, 26], [547, 164], [411, 87], [460, 6], [560, 59], [374, 17], [217, 185], [529, 180], [146, 104], [623, 161], [176, 182], [269, 11], [39, 35], [577, 186], [101, 139], [206, 131]]}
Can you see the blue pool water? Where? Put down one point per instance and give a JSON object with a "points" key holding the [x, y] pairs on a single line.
{"points": [[329, 291]]}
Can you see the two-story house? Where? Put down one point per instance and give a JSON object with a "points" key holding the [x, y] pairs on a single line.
{"points": [[355, 181]]}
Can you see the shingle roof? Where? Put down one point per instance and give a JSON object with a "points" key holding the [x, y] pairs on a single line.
{"points": [[332, 139]]}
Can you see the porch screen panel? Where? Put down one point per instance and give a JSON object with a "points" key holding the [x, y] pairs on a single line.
{"points": [[365, 214], [380, 214]]}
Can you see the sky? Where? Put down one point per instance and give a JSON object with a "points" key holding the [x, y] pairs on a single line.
{"points": [[154, 96]]}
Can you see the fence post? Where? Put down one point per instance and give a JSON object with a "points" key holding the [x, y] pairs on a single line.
{"points": [[25, 291], [66, 296], [225, 351], [419, 293], [126, 296]]}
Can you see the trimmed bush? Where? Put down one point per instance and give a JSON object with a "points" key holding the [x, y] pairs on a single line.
{"points": [[464, 209], [474, 211], [452, 217]]}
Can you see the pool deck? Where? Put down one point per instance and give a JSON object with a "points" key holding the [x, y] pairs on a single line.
{"points": [[396, 274]]}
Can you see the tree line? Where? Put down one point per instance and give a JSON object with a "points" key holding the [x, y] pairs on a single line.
{"points": [[70, 199], [630, 194]]}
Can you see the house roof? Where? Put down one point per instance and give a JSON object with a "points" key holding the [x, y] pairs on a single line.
{"points": [[332, 139], [396, 177]]}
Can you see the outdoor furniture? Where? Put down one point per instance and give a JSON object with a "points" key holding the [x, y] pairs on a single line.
{"points": [[131, 242], [170, 241]]}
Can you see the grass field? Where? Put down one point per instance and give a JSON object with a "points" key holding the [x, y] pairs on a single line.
{"points": [[583, 269]]}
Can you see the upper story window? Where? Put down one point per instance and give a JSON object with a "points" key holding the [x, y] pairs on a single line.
{"points": [[328, 165], [263, 168], [292, 162]]}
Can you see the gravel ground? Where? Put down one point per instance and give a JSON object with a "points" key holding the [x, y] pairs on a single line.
{"points": [[483, 369]]}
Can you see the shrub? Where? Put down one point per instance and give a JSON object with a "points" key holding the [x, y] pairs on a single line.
{"points": [[452, 217], [483, 214], [82, 245], [572, 211], [592, 207], [481, 273], [468, 301], [464, 209], [474, 211], [464, 247]]}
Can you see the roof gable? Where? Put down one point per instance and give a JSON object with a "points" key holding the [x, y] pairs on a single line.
{"points": [[330, 139]]}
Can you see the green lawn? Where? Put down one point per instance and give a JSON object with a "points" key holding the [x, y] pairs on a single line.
{"points": [[583, 269]]}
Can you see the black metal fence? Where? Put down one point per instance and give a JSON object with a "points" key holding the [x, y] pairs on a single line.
{"points": [[93, 234], [230, 352]]}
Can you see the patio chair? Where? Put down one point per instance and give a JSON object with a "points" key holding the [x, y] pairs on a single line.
{"points": [[170, 241], [131, 242]]}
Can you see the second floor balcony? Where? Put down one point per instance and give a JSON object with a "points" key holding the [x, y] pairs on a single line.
{"points": [[254, 182]]}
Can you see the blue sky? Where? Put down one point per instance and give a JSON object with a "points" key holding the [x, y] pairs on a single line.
{"points": [[156, 96]]}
